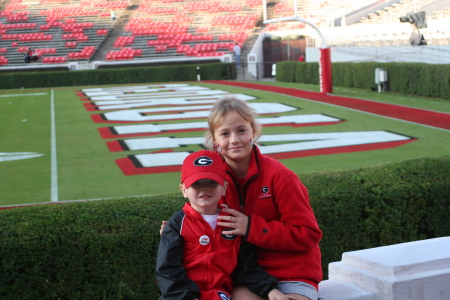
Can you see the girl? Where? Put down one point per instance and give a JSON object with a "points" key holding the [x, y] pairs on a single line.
{"points": [[269, 206], [268, 203]]}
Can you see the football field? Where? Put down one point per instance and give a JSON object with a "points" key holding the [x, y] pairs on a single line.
{"points": [[102, 142]]}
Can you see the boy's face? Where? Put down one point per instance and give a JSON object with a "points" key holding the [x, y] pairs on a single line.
{"points": [[204, 195]]}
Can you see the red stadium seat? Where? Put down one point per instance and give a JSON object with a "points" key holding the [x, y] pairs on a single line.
{"points": [[55, 59], [161, 48], [102, 31], [3, 60], [23, 49]]}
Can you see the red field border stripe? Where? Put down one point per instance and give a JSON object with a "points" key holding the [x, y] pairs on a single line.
{"points": [[416, 115]]}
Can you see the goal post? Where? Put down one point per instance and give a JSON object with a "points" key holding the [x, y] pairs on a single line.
{"points": [[325, 71]]}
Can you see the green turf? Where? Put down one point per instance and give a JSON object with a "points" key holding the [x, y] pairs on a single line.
{"points": [[25, 127], [436, 104], [87, 169], [431, 141]]}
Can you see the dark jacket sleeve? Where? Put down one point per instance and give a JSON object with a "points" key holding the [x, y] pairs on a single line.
{"points": [[248, 273], [170, 272]]}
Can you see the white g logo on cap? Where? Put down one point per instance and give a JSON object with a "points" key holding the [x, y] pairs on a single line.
{"points": [[203, 161]]}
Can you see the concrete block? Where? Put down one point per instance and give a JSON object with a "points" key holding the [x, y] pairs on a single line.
{"points": [[341, 290], [414, 271]]}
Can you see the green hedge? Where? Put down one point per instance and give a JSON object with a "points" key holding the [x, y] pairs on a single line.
{"points": [[381, 205], [409, 78], [107, 249], [212, 71], [88, 250]]}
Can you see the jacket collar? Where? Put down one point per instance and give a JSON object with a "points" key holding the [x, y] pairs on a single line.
{"points": [[189, 210], [253, 165]]}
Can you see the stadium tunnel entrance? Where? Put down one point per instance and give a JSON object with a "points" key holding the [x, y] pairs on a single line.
{"points": [[282, 48]]}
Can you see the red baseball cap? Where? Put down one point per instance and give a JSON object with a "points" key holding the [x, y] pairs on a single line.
{"points": [[200, 165]]}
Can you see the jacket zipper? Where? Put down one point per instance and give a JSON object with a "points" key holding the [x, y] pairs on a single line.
{"points": [[242, 191]]}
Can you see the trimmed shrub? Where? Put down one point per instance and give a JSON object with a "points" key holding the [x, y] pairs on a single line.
{"points": [[212, 71], [107, 249], [294, 71], [86, 250], [409, 78], [285, 71], [380, 205]]}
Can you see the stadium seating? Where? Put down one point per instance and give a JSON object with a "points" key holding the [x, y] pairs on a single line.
{"points": [[169, 28], [161, 29], [60, 24]]}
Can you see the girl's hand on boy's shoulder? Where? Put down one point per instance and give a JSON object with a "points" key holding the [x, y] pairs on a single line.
{"points": [[163, 225], [236, 221]]}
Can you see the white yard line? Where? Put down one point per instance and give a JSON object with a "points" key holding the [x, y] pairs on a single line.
{"points": [[83, 200], [54, 166], [21, 95]]}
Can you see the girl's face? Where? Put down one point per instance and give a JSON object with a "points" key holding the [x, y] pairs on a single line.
{"points": [[233, 136]]}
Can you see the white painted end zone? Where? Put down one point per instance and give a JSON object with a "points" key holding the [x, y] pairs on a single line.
{"points": [[134, 87], [122, 104], [155, 90], [299, 142], [161, 159], [190, 112], [296, 119]]}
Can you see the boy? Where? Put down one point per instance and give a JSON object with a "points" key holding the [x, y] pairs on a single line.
{"points": [[195, 260]]}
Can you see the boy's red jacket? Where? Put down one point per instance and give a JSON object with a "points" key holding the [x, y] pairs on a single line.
{"points": [[281, 221], [195, 261]]}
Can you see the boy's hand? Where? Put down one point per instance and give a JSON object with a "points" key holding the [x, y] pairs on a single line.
{"points": [[237, 222], [277, 295]]}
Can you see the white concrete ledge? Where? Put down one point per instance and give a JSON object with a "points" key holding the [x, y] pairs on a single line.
{"points": [[341, 290], [413, 271]]}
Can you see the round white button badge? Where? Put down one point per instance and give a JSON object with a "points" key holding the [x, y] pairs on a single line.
{"points": [[204, 240]]}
